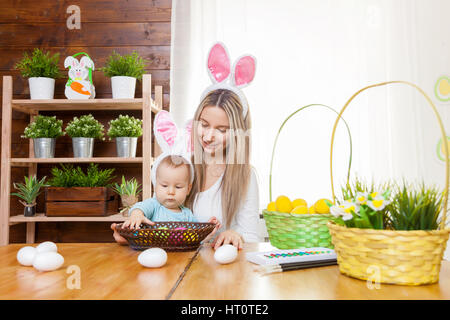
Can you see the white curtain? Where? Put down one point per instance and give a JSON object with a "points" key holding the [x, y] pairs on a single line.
{"points": [[323, 51]]}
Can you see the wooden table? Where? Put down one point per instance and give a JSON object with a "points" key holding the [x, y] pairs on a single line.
{"points": [[110, 271], [107, 270]]}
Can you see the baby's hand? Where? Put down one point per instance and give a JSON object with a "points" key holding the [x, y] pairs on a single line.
{"points": [[215, 221], [136, 218]]}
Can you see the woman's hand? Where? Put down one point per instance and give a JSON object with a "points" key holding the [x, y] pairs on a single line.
{"points": [[217, 227], [136, 218], [229, 237]]}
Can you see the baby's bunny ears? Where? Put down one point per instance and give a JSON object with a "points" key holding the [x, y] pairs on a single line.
{"points": [[225, 77], [171, 141]]}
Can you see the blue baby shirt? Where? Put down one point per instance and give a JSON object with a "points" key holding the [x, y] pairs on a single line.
{"points": [[156, 212]]}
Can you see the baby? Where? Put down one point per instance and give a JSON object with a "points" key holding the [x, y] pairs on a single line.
{"points": [[172, 175], [173, 184]]}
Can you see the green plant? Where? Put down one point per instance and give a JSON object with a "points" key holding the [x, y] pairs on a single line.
{"points": [[415, 208], [85, 127], [130, 65], [68, 176], [39, 64], [44, 127], [130, 187], [125, 126], [364, 205], [29, 190]]}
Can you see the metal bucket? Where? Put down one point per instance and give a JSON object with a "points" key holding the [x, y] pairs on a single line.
{"points": [[83, 147], [126, 147], [44, 147]]}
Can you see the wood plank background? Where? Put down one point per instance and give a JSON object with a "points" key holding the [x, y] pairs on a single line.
{"points": [[106, 25]]}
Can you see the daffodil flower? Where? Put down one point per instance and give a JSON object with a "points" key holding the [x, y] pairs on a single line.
{"points": [[361, 198], [344, 210], [378, 203]]}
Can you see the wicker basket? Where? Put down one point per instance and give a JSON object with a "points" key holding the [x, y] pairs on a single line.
{"points": [[388, 256], [170, 236], [291, 231], [399, 257]]}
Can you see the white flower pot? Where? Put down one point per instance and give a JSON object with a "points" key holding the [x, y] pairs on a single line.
{"points": [[41, 87], [123, 87]]}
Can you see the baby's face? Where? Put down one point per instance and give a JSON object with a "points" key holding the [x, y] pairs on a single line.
{"points": [[172, 185]]}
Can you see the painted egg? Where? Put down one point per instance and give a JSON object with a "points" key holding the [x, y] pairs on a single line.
{"points": [[26, 255], [180, 228], [48, 261], [153, 258], [226, 254], [47, 246]]}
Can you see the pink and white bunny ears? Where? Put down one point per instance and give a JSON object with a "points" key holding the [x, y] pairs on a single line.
{"points": [[224, 77], [171, 141]]}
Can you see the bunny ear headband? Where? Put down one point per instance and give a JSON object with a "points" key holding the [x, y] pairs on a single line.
{"points": [[224, 77], [171, 141]]}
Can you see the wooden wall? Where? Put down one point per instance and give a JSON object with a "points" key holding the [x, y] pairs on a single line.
{"points": [[106, 25]]}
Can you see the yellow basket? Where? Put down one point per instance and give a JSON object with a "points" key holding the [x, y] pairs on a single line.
{"points": [[388, 256]]}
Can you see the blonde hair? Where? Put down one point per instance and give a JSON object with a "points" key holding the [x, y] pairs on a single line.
{"points": [[235, 181]]}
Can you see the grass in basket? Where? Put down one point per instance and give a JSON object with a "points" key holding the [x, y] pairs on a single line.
{"points": [[415, 208], [357, 209]]}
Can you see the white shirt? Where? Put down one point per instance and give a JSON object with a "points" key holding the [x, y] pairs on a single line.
{"points": [[245, 222]]}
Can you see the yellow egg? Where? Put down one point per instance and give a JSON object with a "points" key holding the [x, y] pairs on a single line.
{"points": [[283, 204], [299, 202], [311, 210], [300, 210], [272, 206], [321, 207]]}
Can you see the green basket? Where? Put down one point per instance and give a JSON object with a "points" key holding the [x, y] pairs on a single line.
{"points": [[289, 231], [293, 231]]}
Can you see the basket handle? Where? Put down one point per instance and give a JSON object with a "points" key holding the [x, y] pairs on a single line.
{"points": [[444, 138], [279, 131]]}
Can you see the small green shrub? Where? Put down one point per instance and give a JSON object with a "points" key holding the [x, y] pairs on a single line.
{"points": [[68, 176], [125, 126], [130, 65], [85, 127], [39, 64], [29, 190], [44, 127]]}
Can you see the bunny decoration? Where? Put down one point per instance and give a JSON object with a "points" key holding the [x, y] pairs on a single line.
{"points": [[224, 77], [79, 85], [171, 141]]}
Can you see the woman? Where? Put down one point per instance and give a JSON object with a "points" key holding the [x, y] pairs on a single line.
{"points": [[225, 185]]}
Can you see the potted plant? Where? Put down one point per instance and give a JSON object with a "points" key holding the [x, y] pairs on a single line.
{"points": [[28, 192], [41, 69], [44, 130], [74, 192], [125, 130], [123, 71], [128, 192], [391, 235], [83, 131]]}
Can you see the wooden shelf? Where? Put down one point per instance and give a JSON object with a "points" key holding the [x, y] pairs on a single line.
{"points": [[148, 104], [31, 106], [41, 217], [21, 162]]}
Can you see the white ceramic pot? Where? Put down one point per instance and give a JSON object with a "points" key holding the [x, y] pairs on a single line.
{"points": [[123, 87], [41, 87]]}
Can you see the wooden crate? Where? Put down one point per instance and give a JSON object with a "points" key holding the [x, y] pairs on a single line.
{"points": [[80, 202]]}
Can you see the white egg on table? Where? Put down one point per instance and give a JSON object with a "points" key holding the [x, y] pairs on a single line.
{"points": [[48, 261], [47, 246], [153, 258], [26, 255], [226, 254]]}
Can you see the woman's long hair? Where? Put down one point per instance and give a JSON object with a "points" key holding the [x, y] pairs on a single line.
{"points": [[236, 177]]}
